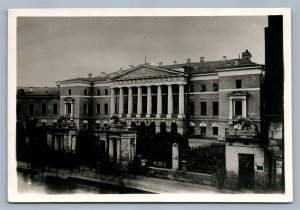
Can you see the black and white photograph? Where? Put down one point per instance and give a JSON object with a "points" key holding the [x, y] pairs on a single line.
{"points": [[149, 105]]}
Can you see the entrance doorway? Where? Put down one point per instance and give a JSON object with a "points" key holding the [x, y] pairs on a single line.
{"points": [[246, 171]]}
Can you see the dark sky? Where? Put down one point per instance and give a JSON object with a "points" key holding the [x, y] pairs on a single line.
{"points": [[57, 48]]}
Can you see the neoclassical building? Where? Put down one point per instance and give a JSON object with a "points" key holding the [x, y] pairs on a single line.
{"points": [[198, 99]]}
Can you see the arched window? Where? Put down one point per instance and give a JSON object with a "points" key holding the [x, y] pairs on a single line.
{"points": [[152, 128], [85, 124], [163, 127], [174, 127], [143, 131], [133, 124]]}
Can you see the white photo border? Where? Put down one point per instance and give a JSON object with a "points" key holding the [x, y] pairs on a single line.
{"points": [[14, 196]]}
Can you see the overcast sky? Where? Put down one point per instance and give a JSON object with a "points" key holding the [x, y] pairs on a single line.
{"points": [[51, 49]]}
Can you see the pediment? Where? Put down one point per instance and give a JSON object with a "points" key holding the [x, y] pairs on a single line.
{"points": [[237, 93], [146, 71]]}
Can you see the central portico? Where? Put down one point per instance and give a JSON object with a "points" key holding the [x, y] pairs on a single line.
{"points": [[148, 92]]}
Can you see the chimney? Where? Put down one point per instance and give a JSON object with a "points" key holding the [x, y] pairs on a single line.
{"points": [[246, 55], [130, 66], [224, 58], [201, 59], [160, 63], [174, 62], [188, 60], [103, 74], [31, 89], [90, 75]]}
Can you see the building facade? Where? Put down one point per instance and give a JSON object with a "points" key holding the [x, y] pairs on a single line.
{"points": [[196, 99]]}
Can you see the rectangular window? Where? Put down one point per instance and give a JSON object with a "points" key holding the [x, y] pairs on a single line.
{"points": [[102, 146], [31, 109], [203, 131], [106, 92], [85, 92], [54, 109], [98, 92], [44, 109], [238, 83], [203, 108], [70, 92], [215, 108], [215, 131], [192, 130], [19, 109], [105, 108], [68, 108], [215, 87], [192, 108], [192, 88], [203, 87], [85, 108], [98, 109], [238, 108]]}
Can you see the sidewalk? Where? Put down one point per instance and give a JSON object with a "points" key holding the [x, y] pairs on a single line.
{"points": [[158, 185]]}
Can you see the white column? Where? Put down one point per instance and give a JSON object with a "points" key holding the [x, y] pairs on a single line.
{"points": [[139, 104], [112, 101], [244, 108], [230, 111], [121, 103], [111, 149], [181, 101], [149, 101], [129, 102], [72, 109], [159, 102], [170, 101]]}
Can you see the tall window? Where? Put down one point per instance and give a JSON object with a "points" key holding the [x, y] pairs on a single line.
{"points": [[215, 108], [44, 109], [102, 146], [191, 130], [105, 108], [215, 87], [238, 83], [85, 108], [237, 108], [54, 109], [85, 124], [31, 109], [215, 131], [70, 92], [106, 92], [98, 109], [203, 108], [68, 108], [192, 108], [192, 88], [85, 92], [98, 92], [203, 87]]}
